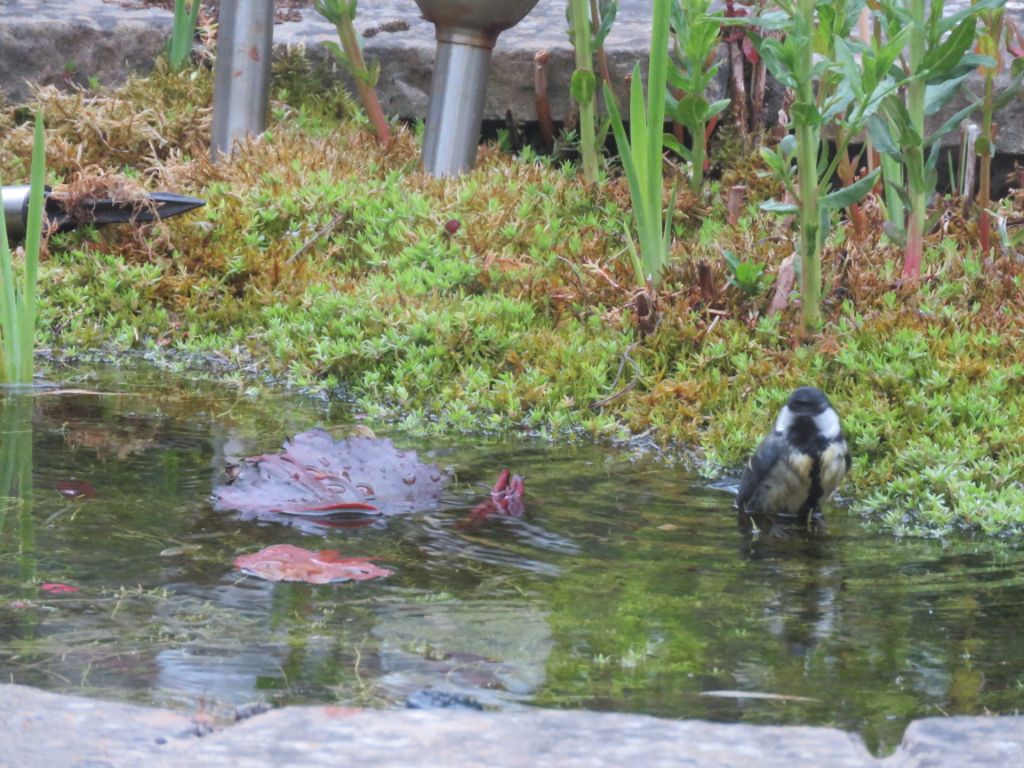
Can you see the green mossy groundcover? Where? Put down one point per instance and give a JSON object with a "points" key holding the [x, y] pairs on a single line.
{"points": [[503, 300]]}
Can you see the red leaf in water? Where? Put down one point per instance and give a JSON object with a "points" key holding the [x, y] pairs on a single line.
{"points": [[506, 500], [316, 475], [75, 489], [284, 562], [57, 589]]}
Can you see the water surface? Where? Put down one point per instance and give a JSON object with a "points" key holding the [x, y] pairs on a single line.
{"points": [[626, 586]]}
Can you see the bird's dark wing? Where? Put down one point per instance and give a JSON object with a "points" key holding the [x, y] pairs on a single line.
{"points": [[760, 466]]}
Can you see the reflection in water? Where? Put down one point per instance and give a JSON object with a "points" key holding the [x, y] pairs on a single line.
{"points": [[493, 653], [624, 585], [16, 478]]}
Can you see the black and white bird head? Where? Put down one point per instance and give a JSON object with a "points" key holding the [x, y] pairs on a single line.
{"points": [[808, 416], [798, 466]]}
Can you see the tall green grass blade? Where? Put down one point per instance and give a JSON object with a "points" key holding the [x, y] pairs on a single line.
{"points": [[33, 237], [183, 31], [8, 313], [18, 313]]}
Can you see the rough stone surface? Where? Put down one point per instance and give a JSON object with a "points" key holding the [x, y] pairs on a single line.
{"points": [[41, 730], [966, 741], [54, 41], [46, 729], [59, 41]]}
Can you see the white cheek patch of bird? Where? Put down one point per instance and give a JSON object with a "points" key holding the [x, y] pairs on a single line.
{"points": [[797, 468]]}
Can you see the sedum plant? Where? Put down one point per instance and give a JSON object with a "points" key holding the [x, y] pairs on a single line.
{"points": [[18, 310], [642, 154]]}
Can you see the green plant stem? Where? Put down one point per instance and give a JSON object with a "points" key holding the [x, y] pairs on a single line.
{"points": [[985, 175], [892, 175], [361, 76], [915, 154], [808, 139], [698, 151], [584, 64]]}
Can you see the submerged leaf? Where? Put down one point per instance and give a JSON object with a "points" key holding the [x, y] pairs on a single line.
{"points": [[316, 475], [75, 489], [57, 589], [285, 562]]}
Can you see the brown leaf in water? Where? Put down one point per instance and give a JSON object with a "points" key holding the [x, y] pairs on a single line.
{"points": [[285, 562]]}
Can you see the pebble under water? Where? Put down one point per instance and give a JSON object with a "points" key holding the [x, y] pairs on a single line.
{"points": [[625, 586]]}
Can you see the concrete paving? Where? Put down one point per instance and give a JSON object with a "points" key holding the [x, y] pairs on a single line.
{"points": [[60, 41], [43, 730]]}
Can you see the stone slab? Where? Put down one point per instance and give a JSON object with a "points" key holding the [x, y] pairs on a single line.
{"points": [[966, 741], [44, 729], [57, 41], [41, 730]]}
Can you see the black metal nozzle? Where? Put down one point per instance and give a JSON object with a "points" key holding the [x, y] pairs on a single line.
{"points": [[98, 211]]}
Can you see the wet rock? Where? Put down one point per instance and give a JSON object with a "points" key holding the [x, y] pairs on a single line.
{"points": [[38, 728], [979, 742], [45, 729]]}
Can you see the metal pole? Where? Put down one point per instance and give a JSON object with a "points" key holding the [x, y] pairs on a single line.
{"points": [[241, 84], [15, 209], [466, 34], [457, 91]]}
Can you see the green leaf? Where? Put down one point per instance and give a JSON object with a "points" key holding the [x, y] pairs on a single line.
{"points": [[768, 21], [672, 143], [945, 56], [788, 146], [948, 22], [805, 114], [952, 122], [715, 108], [583, 86], [847, 196], [607, 20], [937, 96], [780, 208]]}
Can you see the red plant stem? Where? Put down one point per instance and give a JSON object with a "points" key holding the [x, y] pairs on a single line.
{"points": [[367, 94], [912, 253], [545, 124], [599, 54], [758, 83], [857, 218]]}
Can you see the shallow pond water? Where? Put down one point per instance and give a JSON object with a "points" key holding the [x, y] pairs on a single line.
{"points": [[626, 585]]}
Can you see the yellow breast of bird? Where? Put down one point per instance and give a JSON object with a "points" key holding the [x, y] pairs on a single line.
{"points": [[791, 483], [833, 468]]}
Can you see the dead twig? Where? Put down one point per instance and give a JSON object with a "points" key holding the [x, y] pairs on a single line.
{"points": [[327, 229], [783, 286], [626, 356]]}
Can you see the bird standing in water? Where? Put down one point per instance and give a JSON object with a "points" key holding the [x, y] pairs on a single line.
{"points": [[797, 467]]}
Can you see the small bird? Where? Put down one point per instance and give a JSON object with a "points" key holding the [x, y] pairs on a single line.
{"points": [[797, 467]]}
